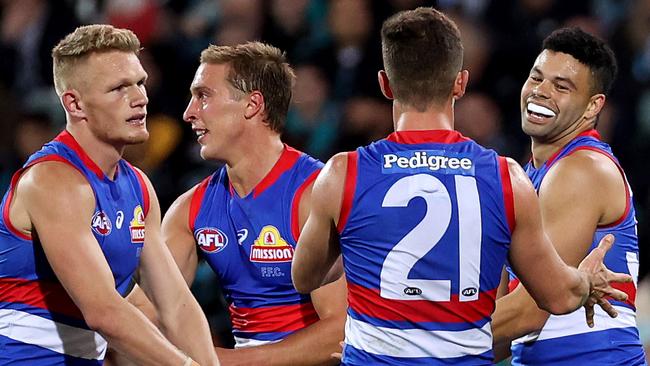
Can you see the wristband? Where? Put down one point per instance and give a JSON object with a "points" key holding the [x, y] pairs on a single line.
{"points": [[188, 361]]}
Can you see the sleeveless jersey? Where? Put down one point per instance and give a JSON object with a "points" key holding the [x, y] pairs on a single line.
{"points": [[249, 243], [425, 228], [566, 339], [39, 322]]}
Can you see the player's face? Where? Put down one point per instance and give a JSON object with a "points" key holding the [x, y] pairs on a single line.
{"points": [[114, 97], [216, 111], [555, 96]]}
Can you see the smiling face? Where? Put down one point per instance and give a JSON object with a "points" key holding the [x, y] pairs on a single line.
{"points": [[557, 98], [216, 111], [113, 97]]}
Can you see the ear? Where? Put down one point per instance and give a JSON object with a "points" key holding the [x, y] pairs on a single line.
{"points": [[255, 104], [595, 105], [460, 84], [384, 84], [72, 103]]}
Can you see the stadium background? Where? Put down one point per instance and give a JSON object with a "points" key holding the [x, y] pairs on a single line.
{"points": [[335, 49]]}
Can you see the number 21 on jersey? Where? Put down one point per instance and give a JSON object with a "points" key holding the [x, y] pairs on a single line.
{"points": [[395, 283]]}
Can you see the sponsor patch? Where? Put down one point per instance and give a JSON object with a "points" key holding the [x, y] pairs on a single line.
{"points": [[270, 247], [101, 224], [426, 161], [137, 225], [210, 239]]}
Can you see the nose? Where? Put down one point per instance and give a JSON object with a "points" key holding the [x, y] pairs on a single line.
{"points": [[190, 111], [139, 96], [542, 89]]}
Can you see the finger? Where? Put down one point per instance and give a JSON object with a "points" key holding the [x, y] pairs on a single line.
{"points": [[615, 294], [337, 356], [618, 277], [609, 309], [589, 313], [606, 242]]}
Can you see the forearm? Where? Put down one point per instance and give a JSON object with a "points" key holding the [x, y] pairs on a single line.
{"points": [[129, 332], [187, 328], [310, 346]]}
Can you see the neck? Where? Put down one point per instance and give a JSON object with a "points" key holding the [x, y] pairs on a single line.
{"points": [[435, 117], [105, 155], [254, 161], [542, 149]]}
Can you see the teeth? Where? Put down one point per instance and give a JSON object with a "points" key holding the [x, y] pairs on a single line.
{"points": [[200, 133], [536, 108]]}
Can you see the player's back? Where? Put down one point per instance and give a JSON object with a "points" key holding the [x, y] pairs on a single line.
{"points": [[425, 229]]}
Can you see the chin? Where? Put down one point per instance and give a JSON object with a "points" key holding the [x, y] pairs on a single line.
{"points": [[138, 138]]}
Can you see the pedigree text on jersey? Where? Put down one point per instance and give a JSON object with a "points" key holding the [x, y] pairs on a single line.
{"points": [[422, 161]]}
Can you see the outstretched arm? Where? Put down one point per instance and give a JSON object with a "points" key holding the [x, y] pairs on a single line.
{"points": [[63, 209], [570, 211], [179, 315]]}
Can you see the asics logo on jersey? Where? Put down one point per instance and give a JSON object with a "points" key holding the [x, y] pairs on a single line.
{"points": [[427, 161]]}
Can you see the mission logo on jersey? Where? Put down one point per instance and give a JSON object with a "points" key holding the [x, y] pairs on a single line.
{"points": [[423, 161], [269, 247], [210, 239], [137, 225], [101, 224]]}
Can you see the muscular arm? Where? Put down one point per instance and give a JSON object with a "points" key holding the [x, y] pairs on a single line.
{"points": [[179, 314], [62, 208], [318, 247], [314, 344], [570, 211]]}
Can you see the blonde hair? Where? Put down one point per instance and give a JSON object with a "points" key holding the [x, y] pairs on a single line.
{"points": [[76, 47], [261, 67]]}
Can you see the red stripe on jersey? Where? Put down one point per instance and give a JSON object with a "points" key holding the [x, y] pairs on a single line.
{"points": [[508, 197], [348, 190], [40, 294], [195, 204], [627, 188], [295, 205], [592, 133], [66, 138], [288, 157], [143, 187], [426, 136], [14, 180], [513, 284], [368, 302], [629, 289], [282, 318]]}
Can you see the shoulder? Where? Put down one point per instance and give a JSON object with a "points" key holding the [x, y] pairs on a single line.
{"points": [[180, 210], [582, 170]]}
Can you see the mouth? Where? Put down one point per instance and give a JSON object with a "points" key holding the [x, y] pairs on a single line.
{"points": [[538, 113], [200, 132], [137, 119]]}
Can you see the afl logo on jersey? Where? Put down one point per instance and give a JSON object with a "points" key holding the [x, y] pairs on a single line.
{"points": [[101, 224], [210, 239], [271, 247], [137, 225]]}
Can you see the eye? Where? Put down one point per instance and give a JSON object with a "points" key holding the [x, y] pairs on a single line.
{"points": [[535, 78], [142, 82], [561, 87]]}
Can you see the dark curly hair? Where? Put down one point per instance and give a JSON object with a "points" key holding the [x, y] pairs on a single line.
{"points": [[590, 51]]}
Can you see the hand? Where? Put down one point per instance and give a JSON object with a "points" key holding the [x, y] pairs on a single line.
{"points": [[599, 281], [339, 355]]}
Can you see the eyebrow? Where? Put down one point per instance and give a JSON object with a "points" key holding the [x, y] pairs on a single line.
{"points": [[557, 78], [199, 88]]}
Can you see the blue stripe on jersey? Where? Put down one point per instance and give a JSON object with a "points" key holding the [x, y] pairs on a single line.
{"points": [[21, 354], [262, 336], [353, 356], [417, 325], [610, 347]]}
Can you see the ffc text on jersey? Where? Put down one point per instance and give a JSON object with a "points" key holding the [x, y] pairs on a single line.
{"points": [[271, 247], [422, 161], [211, 239]]}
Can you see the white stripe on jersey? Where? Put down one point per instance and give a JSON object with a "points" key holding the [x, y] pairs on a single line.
{"points": [[250, 342], [61, 338], [417, 342], [571, 324]]}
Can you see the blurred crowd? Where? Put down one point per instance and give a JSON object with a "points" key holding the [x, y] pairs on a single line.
{"points": [[335, 49]]}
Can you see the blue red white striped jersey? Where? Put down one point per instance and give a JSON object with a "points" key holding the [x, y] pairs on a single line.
{"points": [[249, 243], [566, 339], [425, 228], [39, 322]]}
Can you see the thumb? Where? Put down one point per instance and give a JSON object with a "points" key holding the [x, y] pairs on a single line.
{"points": [[606, 243]]}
